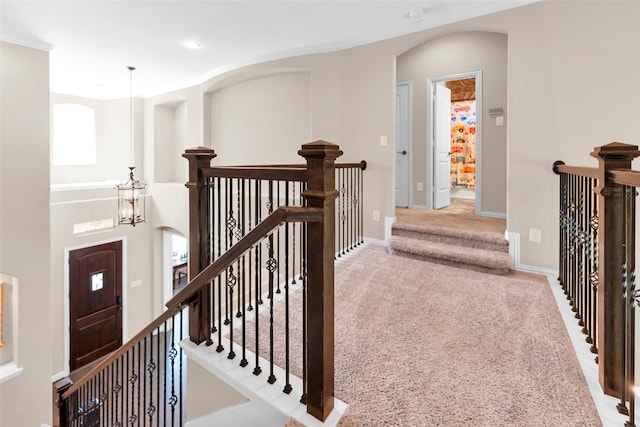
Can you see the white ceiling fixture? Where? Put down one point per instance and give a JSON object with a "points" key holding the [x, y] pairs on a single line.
{"points": [[91, 39]]}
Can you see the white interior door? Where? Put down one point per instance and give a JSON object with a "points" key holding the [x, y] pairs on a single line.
{"points": [[402, 144], [442, 146]]}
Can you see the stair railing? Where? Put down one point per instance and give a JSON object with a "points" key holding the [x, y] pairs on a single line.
{"points": [[245, 225], [597, 262]]}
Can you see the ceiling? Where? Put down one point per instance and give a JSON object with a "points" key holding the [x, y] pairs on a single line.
{"points": [[93, 42]]}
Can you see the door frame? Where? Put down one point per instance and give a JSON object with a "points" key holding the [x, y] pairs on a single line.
{"points": [[430, 151], [67, 304], [408, 83]]}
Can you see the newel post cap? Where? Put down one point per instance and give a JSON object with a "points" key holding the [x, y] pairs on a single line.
{"points": [[320, 149], [616, 151], [199, 152]]}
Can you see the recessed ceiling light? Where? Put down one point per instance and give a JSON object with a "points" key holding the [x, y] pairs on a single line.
{"points": [[191, 44], [416, 14]]}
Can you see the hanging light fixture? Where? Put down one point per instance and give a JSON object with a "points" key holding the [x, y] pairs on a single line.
{"points": [[131, 199]]}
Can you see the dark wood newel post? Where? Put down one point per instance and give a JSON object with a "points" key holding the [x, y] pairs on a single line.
{"points": [[199, 254], [321, 192], [611, 320]]}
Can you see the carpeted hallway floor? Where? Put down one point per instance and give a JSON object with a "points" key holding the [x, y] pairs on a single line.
{"points": [[421, 344], [460, 214]]}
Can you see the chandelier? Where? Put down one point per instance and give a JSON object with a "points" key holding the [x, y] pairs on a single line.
{"points": [[131, 199]]}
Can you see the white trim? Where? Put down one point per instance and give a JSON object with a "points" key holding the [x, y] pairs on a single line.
{"points": [[57, 377], [492, 214], [410, 142], [605, 405], [84, 186], [9, 370], [514, 251], [429, 161], [388, 223], [67, 338], [12, 368], [33, 44], [375, 241]]}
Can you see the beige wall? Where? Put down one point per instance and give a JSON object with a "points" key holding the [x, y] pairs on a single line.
{"points": [[559, 54], [25, 400], [460, 53], [262, 120]]}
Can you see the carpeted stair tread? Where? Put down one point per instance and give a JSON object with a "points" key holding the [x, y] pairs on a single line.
{"points": [[473, 239], [487, 261]]}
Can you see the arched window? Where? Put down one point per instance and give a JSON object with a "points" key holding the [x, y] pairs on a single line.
{"points": [[74, 135]]}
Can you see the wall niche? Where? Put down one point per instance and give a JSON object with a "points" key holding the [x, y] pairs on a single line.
{"points": [[170, 142]]}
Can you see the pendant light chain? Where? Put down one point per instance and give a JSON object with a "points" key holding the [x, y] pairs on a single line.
{"points": [[131, 132]]}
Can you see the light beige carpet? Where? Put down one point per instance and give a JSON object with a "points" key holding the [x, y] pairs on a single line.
{"points": [[421, 344], [460, 215]]}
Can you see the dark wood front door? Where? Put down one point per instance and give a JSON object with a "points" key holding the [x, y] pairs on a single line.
{"points": [[95, 302]]}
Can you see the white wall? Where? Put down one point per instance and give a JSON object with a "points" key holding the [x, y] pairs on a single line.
{"points": [[24, 227], [113, 141]]}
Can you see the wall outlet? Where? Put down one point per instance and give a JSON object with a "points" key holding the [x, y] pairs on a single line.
{"points": [[535, 235], [136, 283], [383, 141], [419, 186], [376, 215], [500, 121]]}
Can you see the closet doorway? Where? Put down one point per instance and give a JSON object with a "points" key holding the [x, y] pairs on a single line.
{"points": [[456, 163]]}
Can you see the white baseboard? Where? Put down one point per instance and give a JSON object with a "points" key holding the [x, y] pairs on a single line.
{"points": [[388, 223], [514, 251], [60, 375], [493, 214]]}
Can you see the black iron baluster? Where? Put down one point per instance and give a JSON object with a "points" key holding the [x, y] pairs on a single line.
{"points": [[293, 239], [180, 362], [239, 232], [258, 276], [249, 257], [228, 241], [244, 361], [287, 387], [219, 213], [278, 183], [211, 202], [303, 278], [272, 266]]}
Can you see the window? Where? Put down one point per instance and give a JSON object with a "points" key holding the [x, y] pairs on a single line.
{"points": [[74, 135]]}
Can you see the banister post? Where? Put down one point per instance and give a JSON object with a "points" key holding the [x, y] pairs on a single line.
{"points": [[321, 193], [611, 310], [199, 238]]}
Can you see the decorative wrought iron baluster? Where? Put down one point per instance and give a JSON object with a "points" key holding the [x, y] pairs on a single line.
{"points": [[272, 266], [173, 353], [230, 224], [238, 233], [277, 251]]}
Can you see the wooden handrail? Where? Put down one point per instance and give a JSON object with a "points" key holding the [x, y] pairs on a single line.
{"points": [[288, 172], [625, 177], [267, 173], [361, 164], [560, 167], [280, 215], [176, 304]]}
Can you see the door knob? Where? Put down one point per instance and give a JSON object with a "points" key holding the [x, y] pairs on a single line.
{"points": [[403, 152]]}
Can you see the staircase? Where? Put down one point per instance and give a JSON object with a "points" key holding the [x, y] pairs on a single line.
{"points": [[483, 251]]}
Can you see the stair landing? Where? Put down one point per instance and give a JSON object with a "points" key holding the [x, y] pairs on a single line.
{"points": [[453, 236]]}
